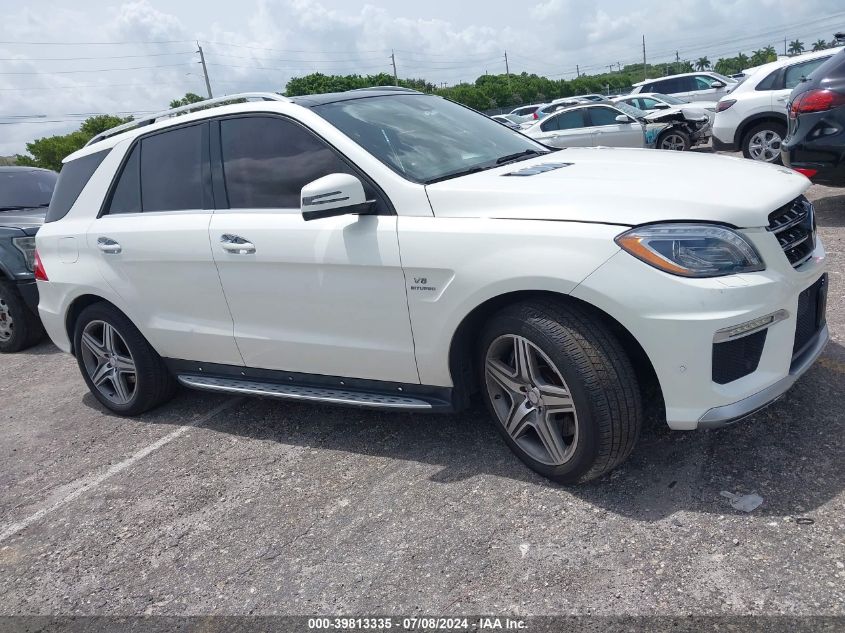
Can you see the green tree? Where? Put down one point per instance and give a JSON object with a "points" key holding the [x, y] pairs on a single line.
{"points": [[771, 53], [758, 57], [48, 152], [742, 61], [188, 99], [702, 63], [796, 47], [819, 45]]}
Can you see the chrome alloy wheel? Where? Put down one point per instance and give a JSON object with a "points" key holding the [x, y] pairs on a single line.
{"points": [[531, 399], [765, 146], [7, 324], [109, 363], [674, 142]]}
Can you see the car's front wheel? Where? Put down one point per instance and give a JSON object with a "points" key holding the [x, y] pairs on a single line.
{"points": [[674, 140], [119, 366], [763, 142], [561, 389]]}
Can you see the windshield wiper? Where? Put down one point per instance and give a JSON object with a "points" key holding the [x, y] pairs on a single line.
{"points": [[24, 206], [456, 174], [512, 157]]}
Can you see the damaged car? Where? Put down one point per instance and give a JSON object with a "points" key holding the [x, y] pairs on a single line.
{"points": [[676, 128]]}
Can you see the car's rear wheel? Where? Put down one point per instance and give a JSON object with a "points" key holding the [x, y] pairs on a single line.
{"points": [[19, 327], [763, 141], [674, 140], [561, 389], [119, 366]]}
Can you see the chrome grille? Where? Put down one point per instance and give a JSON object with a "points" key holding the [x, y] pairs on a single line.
{"points": [[794, 226]]}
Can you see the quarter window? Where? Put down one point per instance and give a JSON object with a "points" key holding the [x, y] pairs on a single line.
{"points": [[126, 197], [267, 161], [794, 74]]}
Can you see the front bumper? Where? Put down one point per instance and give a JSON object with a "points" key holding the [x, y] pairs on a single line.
{"points": [[675, 321], [728, 414], [722, 146]]}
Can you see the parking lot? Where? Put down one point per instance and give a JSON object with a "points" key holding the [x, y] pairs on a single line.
{"points": [[218, 505]]}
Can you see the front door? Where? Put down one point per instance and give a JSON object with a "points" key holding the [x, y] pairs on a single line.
{"points": [[565, 129], [612, 133], [320, 297]]}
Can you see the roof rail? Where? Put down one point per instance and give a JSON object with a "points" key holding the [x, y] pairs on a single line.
{"points": [[199, 105], [387, 88]]}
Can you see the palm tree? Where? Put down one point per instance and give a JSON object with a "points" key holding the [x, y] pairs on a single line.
{"points": [[758, 57], [771, 53], [796, 47], [819, 45], [742, 61], [702, 64]]}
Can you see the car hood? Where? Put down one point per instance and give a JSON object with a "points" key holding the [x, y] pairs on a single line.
{"points": [[23, 218], [622, 186], [677, 113]]}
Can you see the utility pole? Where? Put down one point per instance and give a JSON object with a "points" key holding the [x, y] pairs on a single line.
{"points": [[204, 70], [784, 46], [644, 71], [677, 62], [507, 71], [577, 70], [393, 61], [610, 68]]}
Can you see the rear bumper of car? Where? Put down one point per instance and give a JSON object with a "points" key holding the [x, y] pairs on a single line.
{"points": [[680, 325], [831, 173], [722, 146], [29, 291]]}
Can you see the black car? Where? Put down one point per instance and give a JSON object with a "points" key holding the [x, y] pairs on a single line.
{"points": [[24, 197], [815, 141]]}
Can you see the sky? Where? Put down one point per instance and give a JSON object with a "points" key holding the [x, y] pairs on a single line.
{"points": [[61, 61]]}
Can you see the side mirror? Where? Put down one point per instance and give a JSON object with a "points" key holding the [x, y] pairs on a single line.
{"points": [[661, 106], [623, 118], [333, 195], [717, 84]]}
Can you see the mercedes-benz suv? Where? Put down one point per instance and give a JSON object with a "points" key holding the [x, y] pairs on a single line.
{"points": [[396, 250]]}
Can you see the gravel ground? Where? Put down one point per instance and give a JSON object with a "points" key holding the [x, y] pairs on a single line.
{"points": [[215, 505]]}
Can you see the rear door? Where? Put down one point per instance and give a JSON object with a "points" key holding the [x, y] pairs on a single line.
{"points": [[606, 130], [566, 129], [151, 241]]}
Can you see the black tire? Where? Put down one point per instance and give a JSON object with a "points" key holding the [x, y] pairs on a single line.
{"points": [[766, 126], [597, 372], [153, 383], [24, 329], [683, 136]]}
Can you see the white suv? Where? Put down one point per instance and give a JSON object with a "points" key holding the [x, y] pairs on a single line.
{"points": [[752, 118], [399, 251], [700, 86]]}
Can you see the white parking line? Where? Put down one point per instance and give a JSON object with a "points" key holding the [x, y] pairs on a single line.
{"points": [[91, 481]]}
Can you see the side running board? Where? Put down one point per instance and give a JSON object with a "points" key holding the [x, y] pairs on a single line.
{"points": [[311, 394]]}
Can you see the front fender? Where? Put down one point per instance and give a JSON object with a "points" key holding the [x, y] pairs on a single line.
{"points": [[453, 265]]}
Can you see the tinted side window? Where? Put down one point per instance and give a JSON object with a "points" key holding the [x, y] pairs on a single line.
{"points": [[267, 161], [667, 86], [792, 76], [126, 197], [604, 116], [771, 82], [72, 180], [172, 170]]}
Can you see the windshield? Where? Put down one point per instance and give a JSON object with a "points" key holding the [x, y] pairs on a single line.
{"points": [[720, 76], [23, 188], [631, 110], [670, 99], [426, 138]]}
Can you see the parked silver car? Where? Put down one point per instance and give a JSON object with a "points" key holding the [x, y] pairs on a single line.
{"points": [[588, 125], [700, 86]]}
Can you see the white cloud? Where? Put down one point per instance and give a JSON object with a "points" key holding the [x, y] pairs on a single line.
{"points": [[438, 40]]}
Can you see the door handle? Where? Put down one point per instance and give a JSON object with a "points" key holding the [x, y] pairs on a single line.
{"points": [[236, 245], [783, 99], [108, 245]]}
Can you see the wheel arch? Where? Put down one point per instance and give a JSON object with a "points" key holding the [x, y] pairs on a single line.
{"points": [[77, 306], [753, 120], [465, 340]]}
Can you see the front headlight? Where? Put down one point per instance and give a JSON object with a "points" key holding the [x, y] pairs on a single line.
{"points": [[26, 245], [692, 250]]}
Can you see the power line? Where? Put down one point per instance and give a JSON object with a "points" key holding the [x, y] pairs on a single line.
{"points": [[288, 50], [91, 70], [73, 59], [96, 43]]}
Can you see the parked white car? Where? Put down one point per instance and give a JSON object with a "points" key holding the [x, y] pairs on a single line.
{"points": [[589, 125], [752, 118], [699, 86], [396, 250], [654, 101]]}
